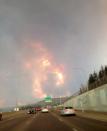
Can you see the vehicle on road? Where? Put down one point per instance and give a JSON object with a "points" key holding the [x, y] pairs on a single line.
{"points": [[44, 110], [67, 111], [31, 111], [1, 118], [37, 108]]}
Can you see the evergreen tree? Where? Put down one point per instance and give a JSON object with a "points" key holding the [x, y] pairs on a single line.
{"points": [[90, 82], [105, 70], [95, 76]]}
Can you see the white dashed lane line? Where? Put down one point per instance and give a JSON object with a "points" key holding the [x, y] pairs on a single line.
{"points": [[60, 119], [65, 122], [74, 129]]}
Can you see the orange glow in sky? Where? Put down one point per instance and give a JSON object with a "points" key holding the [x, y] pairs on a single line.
{"points": [[28, 65], [60, 78], [44, 64]]}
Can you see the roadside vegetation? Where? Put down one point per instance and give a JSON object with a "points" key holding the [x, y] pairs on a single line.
{"points": [[95, 80]]}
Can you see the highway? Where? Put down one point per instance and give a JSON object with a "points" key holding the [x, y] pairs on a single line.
{"points": [[50, 122]]}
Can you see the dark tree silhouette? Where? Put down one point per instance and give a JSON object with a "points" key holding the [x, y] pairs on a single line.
{"points": [[96, 79], [105, 70]]}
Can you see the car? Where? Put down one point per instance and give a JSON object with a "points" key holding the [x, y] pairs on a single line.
{"points": [[38, 108], [1, 118], [31, 111], [67, 111], [44, 110], [28, 111]]}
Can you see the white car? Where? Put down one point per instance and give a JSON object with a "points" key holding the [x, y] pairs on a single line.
{"points": [[44, 110], [67, 111]]}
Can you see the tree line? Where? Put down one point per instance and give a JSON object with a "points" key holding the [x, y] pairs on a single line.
{"points": [[95, 80]]}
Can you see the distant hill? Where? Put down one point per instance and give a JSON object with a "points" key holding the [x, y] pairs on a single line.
{"points": [[55, 101]]}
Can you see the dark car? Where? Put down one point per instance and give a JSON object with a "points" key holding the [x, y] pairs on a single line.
{"points": [[31, 111], [1, 116]]}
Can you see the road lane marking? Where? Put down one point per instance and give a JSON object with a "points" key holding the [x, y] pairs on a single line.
{"points": [[74, 129], [25, 124], [60, 119], [69, 124]]}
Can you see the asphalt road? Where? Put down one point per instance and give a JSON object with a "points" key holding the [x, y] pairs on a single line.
{"points": [[86, 124], [50, 122]]}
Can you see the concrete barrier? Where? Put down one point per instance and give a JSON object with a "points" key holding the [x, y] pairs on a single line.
{"points": [[94, 100]]}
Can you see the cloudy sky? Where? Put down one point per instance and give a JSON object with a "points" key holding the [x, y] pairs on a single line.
{"points": [[49, 47]]}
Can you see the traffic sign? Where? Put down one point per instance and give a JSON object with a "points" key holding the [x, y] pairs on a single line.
{"points": [[48, 99]]}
